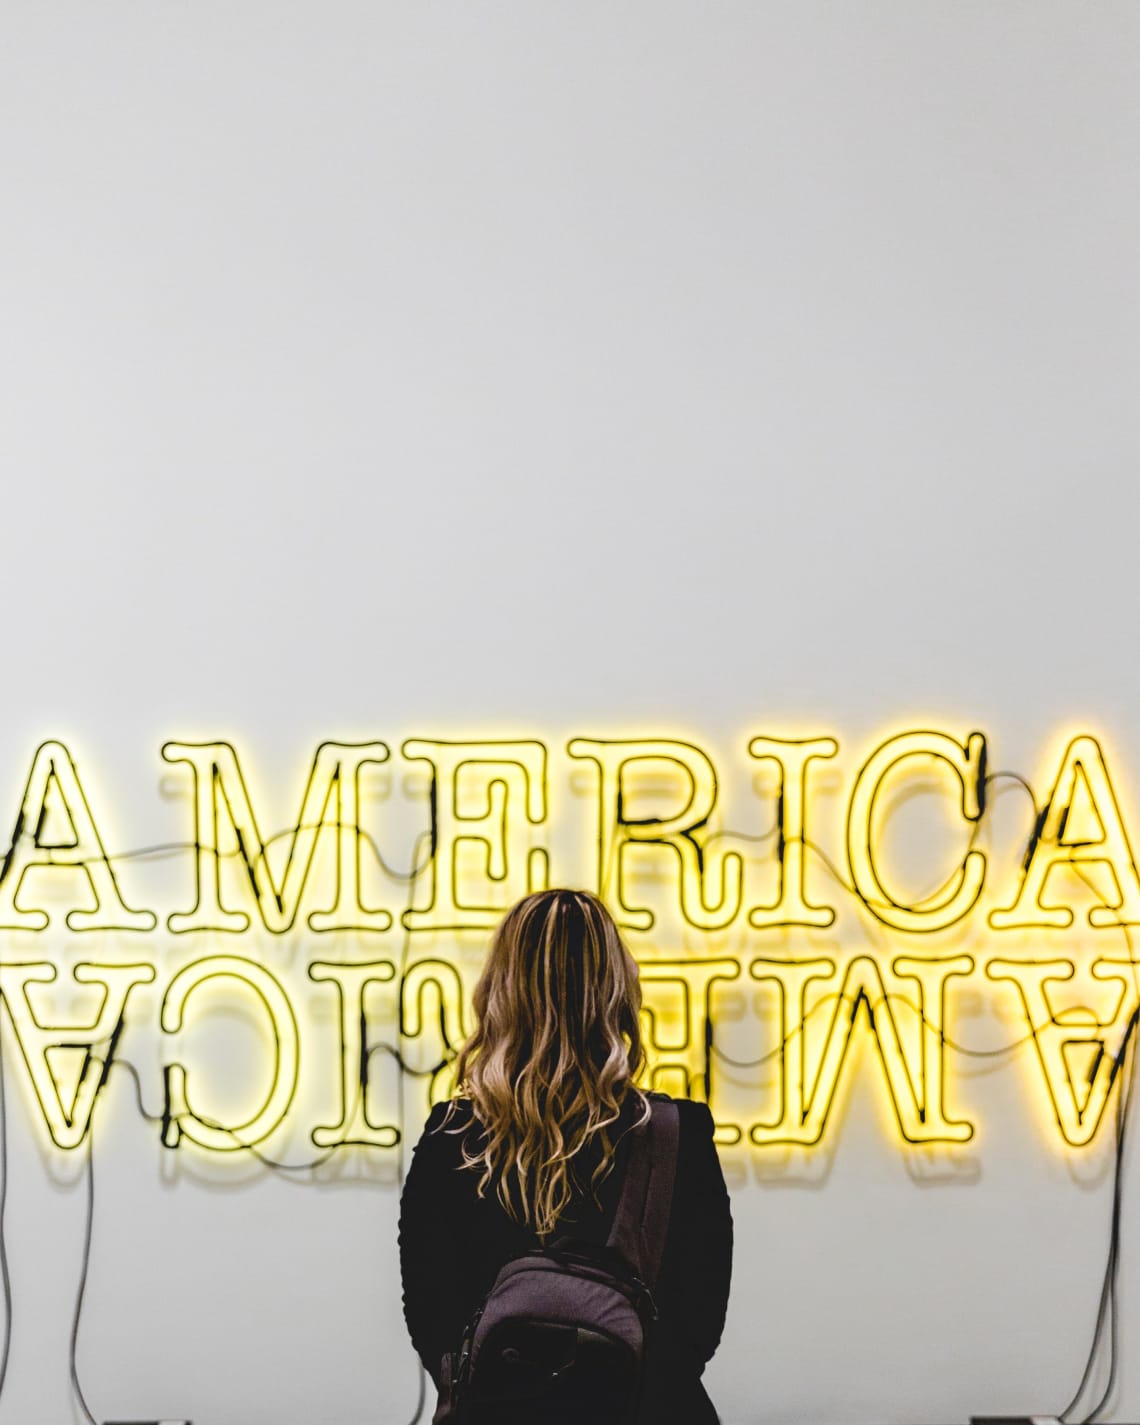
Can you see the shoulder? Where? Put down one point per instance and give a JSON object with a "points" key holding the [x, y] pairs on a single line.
{"points": [[698, 1162], [444, 1133], [699, 1186], [694, 1117], [453, 1113]]}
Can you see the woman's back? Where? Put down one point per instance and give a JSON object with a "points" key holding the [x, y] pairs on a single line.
{"points": [[454, 1242], [535, 1148]]}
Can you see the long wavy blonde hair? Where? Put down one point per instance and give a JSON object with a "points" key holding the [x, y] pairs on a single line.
{"points": [[554, 1055]]}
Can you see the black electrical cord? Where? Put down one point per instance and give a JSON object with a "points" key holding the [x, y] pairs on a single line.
{"points": [[936, 894], [239, 1143], [81, 1293], [170, 848], [1112, 1268], [836, 875], [107, 1065], [1106, 1305], [5, 1275], [1107, 1308], [827, 999]]}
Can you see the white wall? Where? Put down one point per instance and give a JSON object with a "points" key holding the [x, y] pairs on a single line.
{"points": [[383, 369]]}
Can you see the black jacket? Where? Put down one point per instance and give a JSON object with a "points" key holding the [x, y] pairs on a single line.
{"points": [[453, 1243]]}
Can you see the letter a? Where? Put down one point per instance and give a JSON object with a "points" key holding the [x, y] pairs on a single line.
{"points": [[41, 1043], [54, 795], [1080, 1055], [1058, 842]]}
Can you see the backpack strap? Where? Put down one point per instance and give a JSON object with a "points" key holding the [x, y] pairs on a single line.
{"points": [[642, 1217]]}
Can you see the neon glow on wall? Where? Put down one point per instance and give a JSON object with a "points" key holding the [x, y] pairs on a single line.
{"points": [[314, 934]]}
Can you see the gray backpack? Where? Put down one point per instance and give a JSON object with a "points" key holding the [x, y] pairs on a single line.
{"points": [[561, 1337]]}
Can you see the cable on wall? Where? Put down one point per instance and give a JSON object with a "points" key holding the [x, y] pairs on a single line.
{"points": [[109, 1064], [5, 1275], [1106, 1318]]}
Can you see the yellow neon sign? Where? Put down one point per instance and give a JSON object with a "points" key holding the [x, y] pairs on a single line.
{"points": [[1056, 844], [222, 798], [646, 830], [1080, 1055], [480, 847], [34, 845], [181, 1121], [792, 757], [914, 1075], [968, 762], [679, 831], [41, 1045]]}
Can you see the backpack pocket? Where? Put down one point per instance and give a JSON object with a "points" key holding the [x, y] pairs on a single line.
{"points": [[555, 1346]]}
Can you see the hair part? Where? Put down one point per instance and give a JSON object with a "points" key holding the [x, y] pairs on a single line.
{"points": [[555, 1052]]}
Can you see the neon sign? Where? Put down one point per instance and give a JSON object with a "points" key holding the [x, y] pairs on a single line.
{"points": [[831, 972]]}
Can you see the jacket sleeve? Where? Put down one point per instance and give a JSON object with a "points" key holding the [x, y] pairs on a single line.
{"points": [[431, 1248], [699, 1253]]}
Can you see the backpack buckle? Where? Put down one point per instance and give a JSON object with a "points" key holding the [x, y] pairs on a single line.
{"points": [[646, 1296]]}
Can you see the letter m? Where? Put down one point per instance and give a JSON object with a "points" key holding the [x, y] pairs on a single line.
{"points": [[330, 805]]}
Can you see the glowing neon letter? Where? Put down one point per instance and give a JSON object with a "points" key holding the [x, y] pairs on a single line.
{"points": [[968, 762], [39, 1043], [679, 832], [180, 1120], [1055, 844], [220, 789], [53, 776], [355, 1125], [914, 1081], [485, 850], [1073, 1046], [792, 907], [676, 1011], [434, 982]]}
